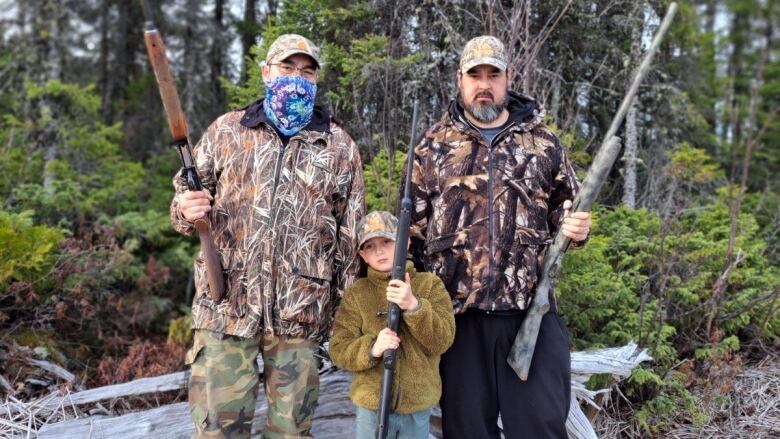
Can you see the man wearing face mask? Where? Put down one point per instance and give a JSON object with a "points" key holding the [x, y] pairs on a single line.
{"points": [[492, 185], [283, 191]]}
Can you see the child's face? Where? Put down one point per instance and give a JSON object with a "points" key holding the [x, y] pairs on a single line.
{"points": [[378, 253]]}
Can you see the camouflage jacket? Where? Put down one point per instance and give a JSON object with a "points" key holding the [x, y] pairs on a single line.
{"points": [[283, 219], [487, 212]]}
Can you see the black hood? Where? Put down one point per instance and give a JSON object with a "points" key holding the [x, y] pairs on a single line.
{"points": [[523, 110], [254, 116]]}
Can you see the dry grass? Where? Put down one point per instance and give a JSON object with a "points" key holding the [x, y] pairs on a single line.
{"points": [[750, 410], [20, 419]]}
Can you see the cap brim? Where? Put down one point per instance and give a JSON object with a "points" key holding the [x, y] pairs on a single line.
{"points": [[290, 52], [378, 233], [486, 60]]}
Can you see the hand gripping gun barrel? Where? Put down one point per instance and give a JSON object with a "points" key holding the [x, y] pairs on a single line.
{"points": [[398, 272]]}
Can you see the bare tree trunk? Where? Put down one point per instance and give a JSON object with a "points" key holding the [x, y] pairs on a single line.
{"points": [[273, 6], [632, 145], [120, 73], [247, 34], [46, 30], [529, 60], [217, 55], [632, 136], [555, 101], [191, 65], [104, 81]]}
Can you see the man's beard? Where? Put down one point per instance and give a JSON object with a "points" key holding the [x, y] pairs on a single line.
{"points": [[484, 113]]}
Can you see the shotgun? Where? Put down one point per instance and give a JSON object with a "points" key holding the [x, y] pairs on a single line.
{"points": [[522, 351], [398, 272], [180, 134]]}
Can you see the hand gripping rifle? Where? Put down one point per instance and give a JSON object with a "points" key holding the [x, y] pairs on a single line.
{"points": [[398, 272], [178, 126], [523, 347]]}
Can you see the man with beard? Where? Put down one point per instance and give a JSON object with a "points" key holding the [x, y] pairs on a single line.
{"points": [[492, 185], [283, 191]]}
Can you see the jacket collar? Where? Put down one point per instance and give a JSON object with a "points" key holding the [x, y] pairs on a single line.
{"points": [[525, 113], [254, 116], [380, 278]]}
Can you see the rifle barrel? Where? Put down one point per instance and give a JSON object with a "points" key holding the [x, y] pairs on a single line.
{"points": [[398, 272]]}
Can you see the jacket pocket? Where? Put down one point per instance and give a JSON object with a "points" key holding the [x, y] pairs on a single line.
{"points": [[307, 299], [450, 257], [234, 275]]}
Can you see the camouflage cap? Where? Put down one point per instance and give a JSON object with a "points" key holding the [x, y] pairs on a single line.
{"points": [[377, 223], [483, 50], [288, 45]]}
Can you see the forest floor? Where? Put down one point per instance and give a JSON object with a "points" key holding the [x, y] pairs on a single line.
{"points": [[746, 404]]}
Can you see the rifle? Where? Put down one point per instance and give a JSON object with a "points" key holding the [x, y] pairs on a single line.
{"points": [[398, 272], [522, 351], [179, 132]]}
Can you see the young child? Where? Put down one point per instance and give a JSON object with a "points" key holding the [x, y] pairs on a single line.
{"points": [[360, 335]]}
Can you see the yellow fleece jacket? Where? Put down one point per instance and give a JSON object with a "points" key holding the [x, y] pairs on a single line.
{"points": [[425, 334]]}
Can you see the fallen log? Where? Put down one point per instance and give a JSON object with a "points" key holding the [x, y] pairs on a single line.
{"points": [[141, 386], [618, 362], [334, 417]]}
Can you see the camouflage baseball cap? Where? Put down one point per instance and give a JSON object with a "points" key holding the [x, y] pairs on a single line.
{"points": [[377, 223], [483, 50], [288, 45]]}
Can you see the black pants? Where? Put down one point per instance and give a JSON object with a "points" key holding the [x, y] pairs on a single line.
{"points": [[478, 383]]}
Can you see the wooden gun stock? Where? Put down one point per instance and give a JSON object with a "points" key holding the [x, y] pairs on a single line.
{"points": [[178, 126]]}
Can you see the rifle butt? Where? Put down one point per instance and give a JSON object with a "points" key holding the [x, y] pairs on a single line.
{"points": [[167, 84], [211, 258], [522, 352]]}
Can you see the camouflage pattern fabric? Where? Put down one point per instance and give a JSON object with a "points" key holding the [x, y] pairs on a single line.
{"points": [[378, 223], [283, 220], [483, 50], [484, 214], [288, 45], [224, 378], [291, 385]]}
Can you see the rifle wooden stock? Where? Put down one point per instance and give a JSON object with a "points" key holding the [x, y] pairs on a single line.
{"points": [[211, 259], [178, 126], [398, 272], [167, 84], [522, 351]]}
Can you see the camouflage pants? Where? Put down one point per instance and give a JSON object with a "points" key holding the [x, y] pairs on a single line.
{"points": [[224, 378]]}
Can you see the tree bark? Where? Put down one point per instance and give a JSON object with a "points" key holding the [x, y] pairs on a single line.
{"points": [[104, 81], [46, 33], [217, 54], [247, 35], [631, 134], [191, 65]]}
